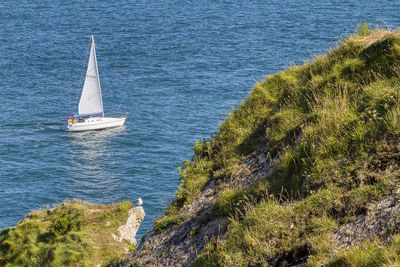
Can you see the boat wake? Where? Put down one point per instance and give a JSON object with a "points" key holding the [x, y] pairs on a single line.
{"points": [[33, 127], [51, 127]]}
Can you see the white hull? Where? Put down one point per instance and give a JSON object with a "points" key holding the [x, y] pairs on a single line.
{"points": [[96, 123]]}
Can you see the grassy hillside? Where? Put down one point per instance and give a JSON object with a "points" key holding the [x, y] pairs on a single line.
{"points": [[71, 234], [333, 124]]}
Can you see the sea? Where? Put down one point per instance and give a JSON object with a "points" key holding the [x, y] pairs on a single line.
{"points": [[178, 68]]}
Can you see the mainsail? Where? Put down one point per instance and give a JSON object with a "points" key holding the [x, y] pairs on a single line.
{"points": [[91, 101]]}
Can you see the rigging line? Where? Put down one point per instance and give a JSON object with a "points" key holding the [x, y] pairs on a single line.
{"points": [[80, 80], [112, 86]]}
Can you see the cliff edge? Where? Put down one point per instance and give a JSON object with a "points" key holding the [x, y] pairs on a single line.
{"points": [[74, 233]]}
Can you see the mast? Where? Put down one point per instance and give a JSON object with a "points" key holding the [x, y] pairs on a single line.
{"points": [[97, 71], [91, 101]]}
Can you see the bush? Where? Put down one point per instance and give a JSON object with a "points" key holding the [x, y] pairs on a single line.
{"points": [[60, 226]]}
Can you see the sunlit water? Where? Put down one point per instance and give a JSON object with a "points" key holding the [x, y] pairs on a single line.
{"points": [[179, 67]]}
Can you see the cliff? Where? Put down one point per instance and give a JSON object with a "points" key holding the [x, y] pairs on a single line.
{"points": [[305, 171], [74, 233]]}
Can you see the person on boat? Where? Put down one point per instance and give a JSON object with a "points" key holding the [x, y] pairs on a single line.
{"points": [[74, 120]]}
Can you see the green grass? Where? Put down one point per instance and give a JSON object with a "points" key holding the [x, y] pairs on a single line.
{"points": [[371, 254], [72, 234], [334, 122]]}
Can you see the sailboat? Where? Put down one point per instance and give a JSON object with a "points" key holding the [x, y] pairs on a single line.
{"points": [[90, 112]]}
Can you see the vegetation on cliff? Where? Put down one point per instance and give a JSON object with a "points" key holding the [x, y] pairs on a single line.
{"points": [[333, 127], [72, 234]]}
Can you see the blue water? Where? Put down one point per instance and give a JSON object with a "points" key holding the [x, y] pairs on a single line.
{"points": [[179, 67]]}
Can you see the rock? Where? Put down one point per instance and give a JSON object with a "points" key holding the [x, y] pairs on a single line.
{"points": [[129, 229], [262, 159], [381, 221]]}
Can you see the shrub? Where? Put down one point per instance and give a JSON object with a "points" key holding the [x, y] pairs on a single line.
{"points": [[60, 226]]}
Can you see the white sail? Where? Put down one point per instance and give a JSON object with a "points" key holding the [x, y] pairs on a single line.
{"points": [[91, 101]]}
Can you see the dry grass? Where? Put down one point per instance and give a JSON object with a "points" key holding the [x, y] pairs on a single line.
{"points": [[375, 36]]}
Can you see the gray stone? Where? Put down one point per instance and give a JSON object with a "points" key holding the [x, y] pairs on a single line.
{"points": [[381, 221], [129, 229]]}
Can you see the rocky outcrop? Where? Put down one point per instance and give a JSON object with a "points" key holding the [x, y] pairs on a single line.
{"points": [[381, 221], [129, 229], [179, 245]]}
